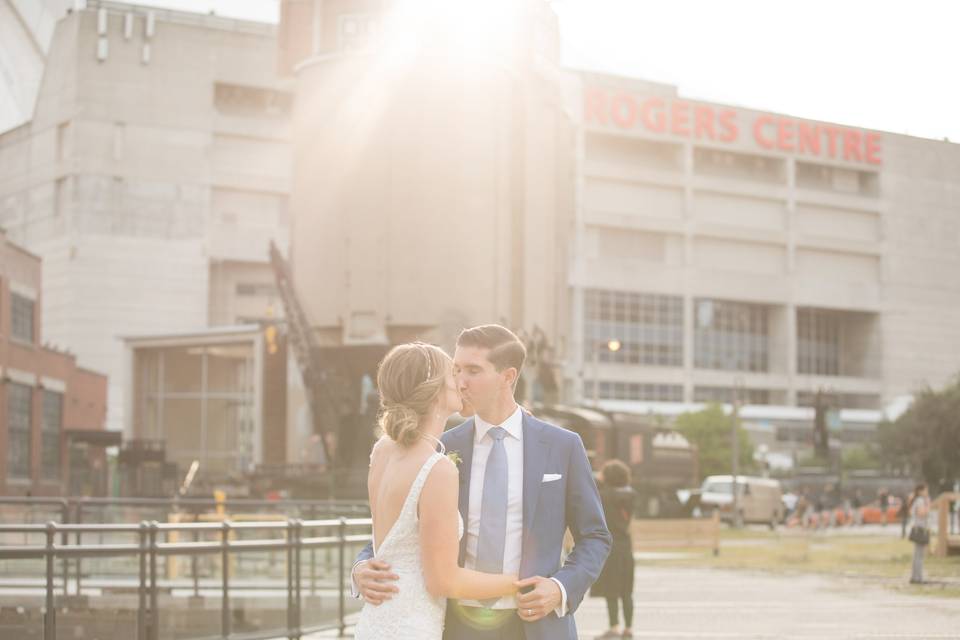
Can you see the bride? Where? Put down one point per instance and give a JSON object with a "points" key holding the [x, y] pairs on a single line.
{"points": [[413, 491]]}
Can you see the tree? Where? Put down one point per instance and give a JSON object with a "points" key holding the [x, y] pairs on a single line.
{"points": [[859, 458], [925, 439], [709, 429]]}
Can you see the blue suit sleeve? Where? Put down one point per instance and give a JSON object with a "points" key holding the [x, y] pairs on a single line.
{"points": [[585, 520], [365, 554]]}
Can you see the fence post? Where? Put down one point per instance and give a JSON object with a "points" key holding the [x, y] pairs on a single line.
{"points": [[78, 518], [50, 615], [716, 533], [142, 591], [64, 540], [313, 556], [225, 574], [194, 560], [154, 609], [342, 571], [289, 545], [298, 540]]}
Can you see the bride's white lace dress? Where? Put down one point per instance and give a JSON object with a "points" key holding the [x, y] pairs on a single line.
{"points": [[412, 614]]}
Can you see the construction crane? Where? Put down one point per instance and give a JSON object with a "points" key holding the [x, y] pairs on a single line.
{"points": [[303, 341]]}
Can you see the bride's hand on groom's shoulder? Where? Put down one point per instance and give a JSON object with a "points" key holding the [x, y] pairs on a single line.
{"points": [[375, 581]]}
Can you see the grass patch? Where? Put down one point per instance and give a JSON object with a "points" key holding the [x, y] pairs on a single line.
{"points": [[871, 558]]}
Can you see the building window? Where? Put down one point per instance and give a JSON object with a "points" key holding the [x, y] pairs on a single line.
{"points": [[840, 400], [839, 179], [63, 138], [256, 289], [728, 164], [19, 418], [725, 395], [50, 429], [650, 392], [731, 336], [357, 31], [818, 342], [648, 328], [240, 100], [21, 318]]}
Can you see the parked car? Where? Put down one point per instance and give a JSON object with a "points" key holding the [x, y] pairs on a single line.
{"points": [[759, 500]]}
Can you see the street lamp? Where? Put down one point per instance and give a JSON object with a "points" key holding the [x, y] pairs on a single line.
{"points": [[612, 346]]}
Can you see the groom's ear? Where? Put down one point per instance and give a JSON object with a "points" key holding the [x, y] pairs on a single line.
{"points": [[510, 376]]}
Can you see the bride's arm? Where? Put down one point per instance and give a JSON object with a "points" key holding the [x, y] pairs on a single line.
{"points": [[440, 543]]}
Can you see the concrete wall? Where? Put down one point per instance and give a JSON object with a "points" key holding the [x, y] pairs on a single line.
{"points": [[427, 197], [148, 158]]}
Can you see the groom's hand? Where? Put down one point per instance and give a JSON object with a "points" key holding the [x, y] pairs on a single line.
{"points": [[375, 581], [537, 597]]}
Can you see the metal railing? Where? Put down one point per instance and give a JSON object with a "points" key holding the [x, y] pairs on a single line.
{"points": [[78, 510], [75, 509], [148, 548]]}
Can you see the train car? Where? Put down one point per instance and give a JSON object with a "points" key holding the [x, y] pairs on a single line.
{"points": [[661, 460]]}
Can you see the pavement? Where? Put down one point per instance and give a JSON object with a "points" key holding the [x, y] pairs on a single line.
{"points": [[682, 604]]}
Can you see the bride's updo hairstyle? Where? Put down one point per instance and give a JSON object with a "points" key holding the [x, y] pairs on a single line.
{"points": [[411, 378]]}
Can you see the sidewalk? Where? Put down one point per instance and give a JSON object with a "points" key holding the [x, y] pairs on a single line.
{"points": [[681, 604]]}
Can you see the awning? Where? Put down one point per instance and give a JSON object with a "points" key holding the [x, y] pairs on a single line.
{"points": [[95, 437]]}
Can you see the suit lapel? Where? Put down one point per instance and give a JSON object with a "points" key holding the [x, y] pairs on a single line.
{"points": [[536, 452]]}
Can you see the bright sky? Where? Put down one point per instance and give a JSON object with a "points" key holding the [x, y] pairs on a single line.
{"points": [[878, 64]]}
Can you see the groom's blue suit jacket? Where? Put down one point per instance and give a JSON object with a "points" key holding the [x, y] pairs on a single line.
{"points": [[548, 510]]}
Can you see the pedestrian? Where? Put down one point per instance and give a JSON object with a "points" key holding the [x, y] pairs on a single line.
{"points": [[919, 530], [857, 504], [616, 580], [904, 514], [884, 505], [802, 510], [818, 507]]}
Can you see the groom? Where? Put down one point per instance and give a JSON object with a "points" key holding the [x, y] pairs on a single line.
{"points": [[523, 482]]}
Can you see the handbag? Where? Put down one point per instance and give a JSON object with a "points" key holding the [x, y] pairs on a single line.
{"points": [[919, 535]]}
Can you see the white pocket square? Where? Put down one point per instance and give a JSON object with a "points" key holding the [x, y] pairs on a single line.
{"points": [[550, 477]]}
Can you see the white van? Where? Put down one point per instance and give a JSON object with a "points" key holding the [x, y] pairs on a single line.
{"points": [[759, 499]]}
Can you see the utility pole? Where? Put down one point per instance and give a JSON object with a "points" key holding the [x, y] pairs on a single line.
{"points": [[735, 452]]}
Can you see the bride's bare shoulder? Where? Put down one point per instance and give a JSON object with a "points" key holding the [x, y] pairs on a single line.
{"points": [[382, 447], [443, 475], [381, 453]]}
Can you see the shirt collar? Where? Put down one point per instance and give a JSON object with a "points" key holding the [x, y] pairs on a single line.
{"points": [[513, 425]]}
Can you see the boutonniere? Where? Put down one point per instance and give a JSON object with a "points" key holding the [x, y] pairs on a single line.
{"points": [[455, 458]]}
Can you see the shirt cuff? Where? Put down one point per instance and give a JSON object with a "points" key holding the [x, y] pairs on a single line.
{"points": [[562, 609], [354, 589]]}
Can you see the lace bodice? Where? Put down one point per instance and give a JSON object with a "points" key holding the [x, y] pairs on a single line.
{"points": [[412, 613]]}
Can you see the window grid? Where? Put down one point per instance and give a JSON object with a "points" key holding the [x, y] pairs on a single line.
{"points": [[649, 328], [651, 392], [841, 400], [818, 342], [357, 31], [725, 395], [731, 336], [50, 429], [19, 417], [21, 317]]}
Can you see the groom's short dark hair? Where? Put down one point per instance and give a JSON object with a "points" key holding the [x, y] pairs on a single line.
{"points": [[506, 349]]}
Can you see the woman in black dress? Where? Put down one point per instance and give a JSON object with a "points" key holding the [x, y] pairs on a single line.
{"points": [[616, 581]]}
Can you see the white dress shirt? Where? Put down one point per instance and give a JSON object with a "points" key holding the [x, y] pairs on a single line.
{"points": [[513, 546]]}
